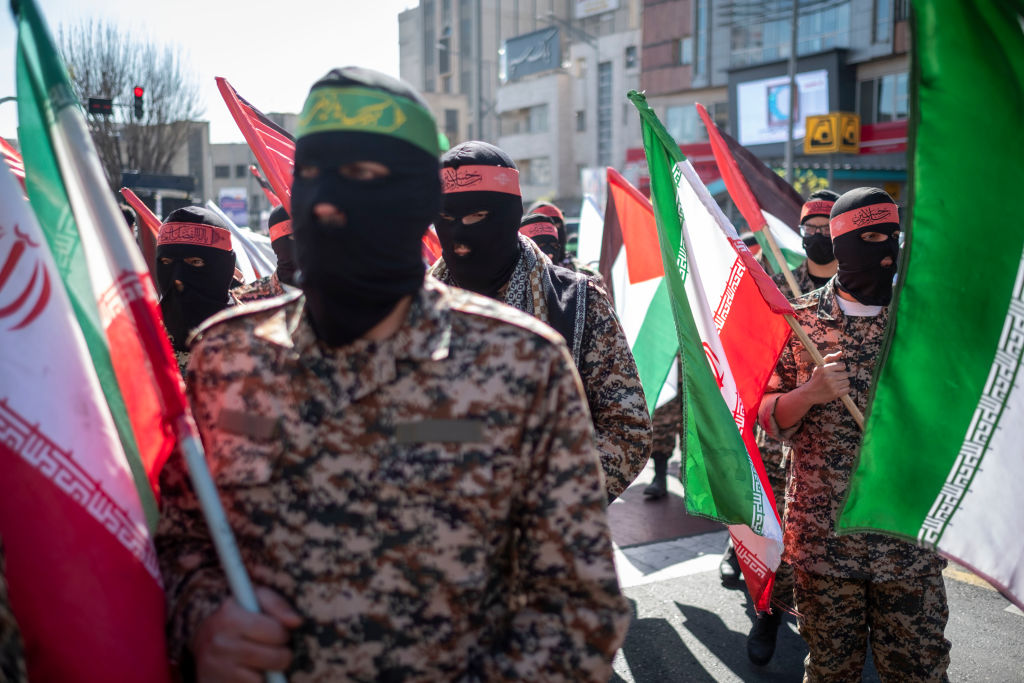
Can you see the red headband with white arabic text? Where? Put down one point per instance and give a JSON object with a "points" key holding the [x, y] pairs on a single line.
{"points": [[279, 230], [198, 234], [480, 179], [538, 229], [816, 207], [864, 217]]}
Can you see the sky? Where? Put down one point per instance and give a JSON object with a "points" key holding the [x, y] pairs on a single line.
{"points": [[271, 52]]}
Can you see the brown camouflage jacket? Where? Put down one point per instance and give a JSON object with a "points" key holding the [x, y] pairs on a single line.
{"points": [[264, 288], [824, 446], [617, 404], [432, 504]]}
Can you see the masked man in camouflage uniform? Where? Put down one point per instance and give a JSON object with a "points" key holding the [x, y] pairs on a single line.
{"points": [[813, 273], [283, 244], [853, 587], [483, 251], [194, 269], [408, 468], [562, 256]]}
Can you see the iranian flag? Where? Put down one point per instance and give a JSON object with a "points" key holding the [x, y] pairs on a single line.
{"points": [[764, 198], [941, 463], [729, 321], [93, 393]]}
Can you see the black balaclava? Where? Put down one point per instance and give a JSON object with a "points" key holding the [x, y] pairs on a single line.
{"points": [[191, 291], [818, 247], [555, 214], [354, 274], [861, 273], [544, 233], [283, 244], [477, 176]]}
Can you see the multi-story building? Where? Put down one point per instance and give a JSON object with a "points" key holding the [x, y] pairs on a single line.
{"points": [[549, 87], [732, 56]]}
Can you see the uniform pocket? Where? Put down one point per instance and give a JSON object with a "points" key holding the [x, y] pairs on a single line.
{"points": [[245, 448]]}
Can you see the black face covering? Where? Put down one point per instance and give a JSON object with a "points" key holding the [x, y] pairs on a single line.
{"points": [[354, 274], [493, 241], [549, 245], [860, 270], [284, 249], [204, 289], [818, 248]]}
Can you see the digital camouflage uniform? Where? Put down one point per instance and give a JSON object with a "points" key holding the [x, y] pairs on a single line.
{"points": [[12, 652], [617, 404], [432, 503], [831, 569], [774, 453], [264, 288], [574, 264]]}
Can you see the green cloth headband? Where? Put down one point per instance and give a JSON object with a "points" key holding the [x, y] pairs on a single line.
{"points": [[365, 110]]}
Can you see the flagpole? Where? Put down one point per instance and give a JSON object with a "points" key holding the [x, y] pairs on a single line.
{"points": [[80, 165]]}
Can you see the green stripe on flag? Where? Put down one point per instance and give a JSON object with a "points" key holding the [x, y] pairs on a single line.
{"points": [[955, 285], [43, 90], [718, 478], [656, 346]]}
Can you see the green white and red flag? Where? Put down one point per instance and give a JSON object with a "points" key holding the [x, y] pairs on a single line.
{"points": [[729, 322], [941, 463], [94, 405], [81, 567]]}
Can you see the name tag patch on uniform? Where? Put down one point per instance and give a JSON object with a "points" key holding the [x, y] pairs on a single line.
{"points": [[450, 431], [258, 427]]}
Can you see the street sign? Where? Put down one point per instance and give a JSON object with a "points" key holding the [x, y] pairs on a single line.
{"points": [[100, 106], [837, 131], [849, 133]]}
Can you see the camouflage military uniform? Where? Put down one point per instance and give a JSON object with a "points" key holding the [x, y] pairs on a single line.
{"points": [[606, 366], [12, 655], [869, 565], [264, 288], [572, 263], [775, 454], [432, 503]]}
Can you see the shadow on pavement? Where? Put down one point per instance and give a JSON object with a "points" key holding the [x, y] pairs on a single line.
{"points": [[656, 654]]}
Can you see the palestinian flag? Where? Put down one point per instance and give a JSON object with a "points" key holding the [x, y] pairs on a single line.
{"points": [[764, 198], [728, 317], [941, 463], [630, 244]]}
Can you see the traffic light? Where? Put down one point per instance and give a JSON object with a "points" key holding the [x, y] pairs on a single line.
{"points": [[138, 101]]}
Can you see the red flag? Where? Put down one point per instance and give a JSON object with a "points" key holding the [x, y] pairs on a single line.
{"points": [[431, 246], [272, 145], [146, 217], [635, 218], [265, 186]]}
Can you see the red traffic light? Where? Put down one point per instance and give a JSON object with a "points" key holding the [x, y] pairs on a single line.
{"points": [[138, 91]]}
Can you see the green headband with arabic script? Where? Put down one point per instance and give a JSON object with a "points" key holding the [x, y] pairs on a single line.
{"points": [[367, 110]]}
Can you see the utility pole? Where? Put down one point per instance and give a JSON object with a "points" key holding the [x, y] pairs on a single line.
{"points": [[794, 96]]}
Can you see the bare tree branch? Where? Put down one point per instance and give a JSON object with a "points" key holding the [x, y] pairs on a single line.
{"points": [[106, 61]]}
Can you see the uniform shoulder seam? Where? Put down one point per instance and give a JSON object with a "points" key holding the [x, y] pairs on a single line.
{"points": [[244, 310]]}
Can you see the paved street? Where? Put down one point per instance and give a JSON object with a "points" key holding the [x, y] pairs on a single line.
{"points": [[688, 627]]}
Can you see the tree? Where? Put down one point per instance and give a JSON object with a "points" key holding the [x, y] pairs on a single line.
{"points": [[107, 61]]}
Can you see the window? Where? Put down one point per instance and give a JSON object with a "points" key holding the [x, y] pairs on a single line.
{"points": [[604, 114], [241, 170], [884, 99], [769, 40], [684, 124], [535, 171], [451, 122], [631, 57], [701, 22], [883, 20], [221, 171], [581, 121], [538, 119], [684, 50]]}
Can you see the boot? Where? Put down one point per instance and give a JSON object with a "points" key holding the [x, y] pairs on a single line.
{"points": [[729, 568], [762, 637], [658, 488]]}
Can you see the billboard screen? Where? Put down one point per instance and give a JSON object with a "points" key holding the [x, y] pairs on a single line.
{"points": [[233, 202], [763, 106]]}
